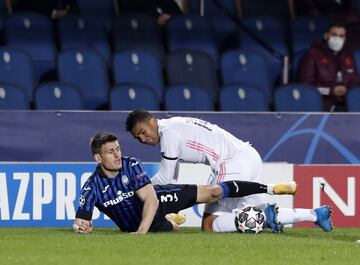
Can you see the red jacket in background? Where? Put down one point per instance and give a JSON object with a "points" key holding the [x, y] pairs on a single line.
{"points": [[320, 66]]}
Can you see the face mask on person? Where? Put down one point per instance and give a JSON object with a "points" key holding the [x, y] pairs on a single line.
{"points": [[336, 43]]}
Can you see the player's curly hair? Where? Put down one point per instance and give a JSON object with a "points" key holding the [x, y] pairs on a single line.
{"points": [[100, 139], [136, 116]]}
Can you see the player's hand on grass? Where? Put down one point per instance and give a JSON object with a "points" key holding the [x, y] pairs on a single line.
{"points": [[82, 226]]}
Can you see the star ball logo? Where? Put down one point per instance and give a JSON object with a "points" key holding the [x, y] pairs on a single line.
{"points": [[81, 201]]}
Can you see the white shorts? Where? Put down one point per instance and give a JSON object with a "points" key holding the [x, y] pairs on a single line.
{"points": [[246, 166]]}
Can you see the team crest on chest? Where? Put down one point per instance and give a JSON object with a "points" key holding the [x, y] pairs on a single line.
{"points": [[125, 180]]}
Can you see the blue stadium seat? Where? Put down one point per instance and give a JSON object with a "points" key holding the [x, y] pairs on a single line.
{"points": [[275, 8], [353, 99], [75, 31], [224, 28], [296, 61], [210, 9], [87, 71], [187, 98], [16, 68], [137, 32], [58, 96], [193, 33], [357, 60], [3, 8], [32, 33], [246, 67], [242, 98], [139, 67], [305, 30], [272, 31], [96, 7], [298, 97], [13, 97], [130, 97], [187, 67]]}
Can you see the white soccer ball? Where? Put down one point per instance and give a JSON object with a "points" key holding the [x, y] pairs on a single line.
{"points": [[250, 219]]}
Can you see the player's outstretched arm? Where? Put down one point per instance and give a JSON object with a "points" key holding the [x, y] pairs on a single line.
{"points": [[148, 196], [82, 226]]}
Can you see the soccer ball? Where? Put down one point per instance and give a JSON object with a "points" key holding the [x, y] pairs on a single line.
{"points": [[250, 219]]}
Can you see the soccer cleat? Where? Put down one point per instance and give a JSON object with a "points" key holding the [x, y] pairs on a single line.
{"points": [[323, 218], [285, 188], [271, 212], [176, 217]]}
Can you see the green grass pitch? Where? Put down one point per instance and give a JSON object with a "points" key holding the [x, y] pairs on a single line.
{"points": [[188, 246]]}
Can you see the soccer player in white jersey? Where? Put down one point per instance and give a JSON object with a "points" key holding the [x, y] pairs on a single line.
{"points": [[196, 141]]}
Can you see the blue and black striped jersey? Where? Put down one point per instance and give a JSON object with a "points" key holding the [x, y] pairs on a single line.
{"points": [[115, 197]]}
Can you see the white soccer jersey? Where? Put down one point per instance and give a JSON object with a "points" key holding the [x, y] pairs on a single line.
{"points": [[193, 140]]}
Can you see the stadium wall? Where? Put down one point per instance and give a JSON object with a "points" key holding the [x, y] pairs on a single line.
{"points": [[45, 159]]}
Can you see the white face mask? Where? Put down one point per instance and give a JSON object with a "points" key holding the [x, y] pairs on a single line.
{"points": [[336, 43]]}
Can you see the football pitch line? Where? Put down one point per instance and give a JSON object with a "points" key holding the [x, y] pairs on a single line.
{"points": [[187, 246]]}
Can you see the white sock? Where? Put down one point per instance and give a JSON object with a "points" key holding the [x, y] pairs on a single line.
{"points": [[224, 223], [290, 216], [270, 188]]}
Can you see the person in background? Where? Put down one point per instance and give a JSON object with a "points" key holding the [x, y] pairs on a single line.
{"points": [[160, 9], [330, 66], [50, 8]]}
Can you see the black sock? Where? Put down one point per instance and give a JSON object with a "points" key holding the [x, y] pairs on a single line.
{"points": [[237, 188]]}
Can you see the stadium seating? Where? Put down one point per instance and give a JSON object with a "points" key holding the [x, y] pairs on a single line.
{"points": [[187, 98], [210, 9], [357, 60], [353, 99], [32, 33], [223, 27], [13, 97], [138, 67], [86, 70], [297, 97], [187, 67], [275, 8], [242, 98], [58, 96], [96, 7], [305, 30], [16, 68], [3, 9], [296, 61], [129, 32], [272, 31], [130, 97], [246, 67], [83, 32], [191, 32]]}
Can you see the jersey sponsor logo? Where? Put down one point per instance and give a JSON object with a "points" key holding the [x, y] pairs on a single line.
{"points": [[169, 197], [82, 201], [125, 180], [105, 189], [120, 198]]}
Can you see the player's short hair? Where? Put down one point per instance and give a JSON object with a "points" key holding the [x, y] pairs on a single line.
{"points": [[100, 139], [136, 116]]}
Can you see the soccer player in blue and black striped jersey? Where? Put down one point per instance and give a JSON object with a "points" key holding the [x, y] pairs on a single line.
{"points": [[121, 188]]}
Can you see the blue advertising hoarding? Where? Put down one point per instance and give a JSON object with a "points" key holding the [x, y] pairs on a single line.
{"points": [[318, 138], [46, 194]]}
